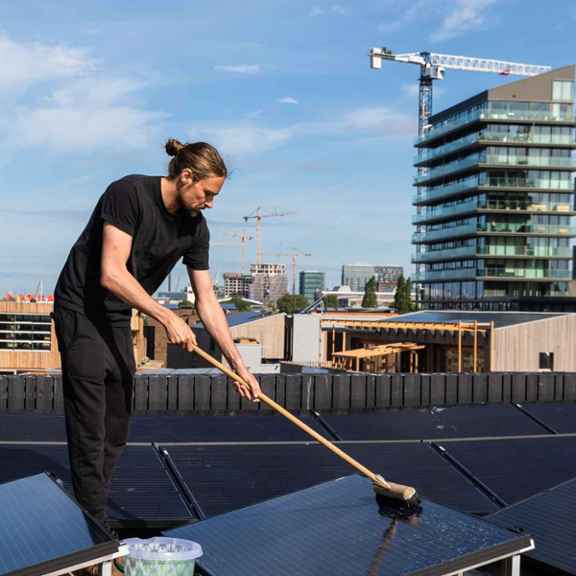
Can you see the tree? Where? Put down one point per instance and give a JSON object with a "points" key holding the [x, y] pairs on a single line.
{"points": [[370, 300], [291, 303], [240, 304], [403, 296], [185, 304], [330, 301]]}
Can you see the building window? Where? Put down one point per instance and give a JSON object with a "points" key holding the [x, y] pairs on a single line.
{"points": [[25, 332], [562, 90], [546, 361]]}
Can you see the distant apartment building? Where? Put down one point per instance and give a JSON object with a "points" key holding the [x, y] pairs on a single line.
{"points": [[311, 284], [269, 282], [357, 275], [236, 283], [495, 196]]}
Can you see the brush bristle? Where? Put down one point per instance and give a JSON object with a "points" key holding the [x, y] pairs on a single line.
{"points": [[396, 507]]}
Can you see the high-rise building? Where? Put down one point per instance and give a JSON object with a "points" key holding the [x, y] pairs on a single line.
{"points": [[269, 282], [495, 196], [311, 284], [356, 275], [236, 283]]}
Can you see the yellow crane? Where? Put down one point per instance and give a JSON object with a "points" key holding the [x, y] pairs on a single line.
{"points": [[293, 256], [258, 215]]}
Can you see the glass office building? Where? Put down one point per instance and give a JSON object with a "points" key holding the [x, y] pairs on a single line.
{"points": [[495, 196], [311, 284]]}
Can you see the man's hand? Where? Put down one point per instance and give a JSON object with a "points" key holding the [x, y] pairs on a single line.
{"points": [[180, 333], [252, 390]]}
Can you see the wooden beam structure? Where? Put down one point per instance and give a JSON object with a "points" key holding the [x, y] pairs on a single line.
{"points": [[479, 327], [350, 359]]}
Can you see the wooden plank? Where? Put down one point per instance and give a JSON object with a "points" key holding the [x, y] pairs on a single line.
{"points": [[438, 385], [494, 388], [358, 392], [518, 387], [202, 386], [281, 389], [370, 391], [58, 387], [44, 387], [397, 390], [464, 388], [141, 393], [322, 393], [412, 384], [31, 391], [233, 403], [172, 392], [383, 387], [506, 387], [532, 387], [3, 393], [479, 388], [341, 393], [425, 388], [157, 393], [222, 396], [268, 386], [186, 394], [16, 393], [546, 387], [569, 387], [559, 386], [293, 391]]}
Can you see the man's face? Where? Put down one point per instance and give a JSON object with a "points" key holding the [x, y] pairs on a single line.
{"points": [[198, 195]]}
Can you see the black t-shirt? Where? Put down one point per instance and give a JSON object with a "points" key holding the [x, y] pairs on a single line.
{"points": [[159, 239]]}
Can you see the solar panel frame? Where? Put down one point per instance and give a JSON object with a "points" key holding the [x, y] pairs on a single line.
{"points": [[106, 548]]}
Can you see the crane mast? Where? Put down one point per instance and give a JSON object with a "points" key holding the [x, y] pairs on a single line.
{"points": [[432, 67]]}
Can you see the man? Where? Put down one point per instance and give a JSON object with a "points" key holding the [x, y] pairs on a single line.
{"points": [[141, 227]]}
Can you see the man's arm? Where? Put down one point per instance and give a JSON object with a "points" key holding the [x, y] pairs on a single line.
{"points": [[115, 277], [214, 319]]}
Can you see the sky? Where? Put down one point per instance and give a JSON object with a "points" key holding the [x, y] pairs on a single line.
{"points": [[90, 92]]}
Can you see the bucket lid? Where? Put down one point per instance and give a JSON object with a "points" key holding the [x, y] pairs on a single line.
{"points": [[160, 548]]}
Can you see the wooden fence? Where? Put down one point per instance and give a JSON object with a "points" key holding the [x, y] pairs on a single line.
{"points": [[325, 393]]}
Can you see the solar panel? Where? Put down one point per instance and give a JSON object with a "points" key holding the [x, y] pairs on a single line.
{"points": [[200, 428], [336, 528], [560, 417], [450, 422], [518, 469], [224, 478], [549, 518], [43, 530], [32, 426], [142, 493]]}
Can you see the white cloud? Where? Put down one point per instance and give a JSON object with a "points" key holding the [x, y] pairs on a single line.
{"points": [[24, 64], [464, 16], [79, 106], [337, 9], [243, 139], [456, 16], [287, 100], [240, 68], [410, 89], [249, 138]]}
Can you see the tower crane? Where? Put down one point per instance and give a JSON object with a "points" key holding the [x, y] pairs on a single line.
{"points": [[432, 67], [293, 255], [257, 215]]}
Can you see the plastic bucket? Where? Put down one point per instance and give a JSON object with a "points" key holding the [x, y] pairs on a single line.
{"points": [[161, 557]]}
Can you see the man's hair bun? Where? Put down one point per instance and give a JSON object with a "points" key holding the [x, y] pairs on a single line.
{"points": [[173, 146]]}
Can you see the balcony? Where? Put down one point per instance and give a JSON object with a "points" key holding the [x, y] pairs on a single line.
{"points": [[528, 229], [453, 232], [531, 162], [525, 251], [487, 137], [457, 274], [526, 274], [438, 255], [489, 112], [437, 192], [522, 183], [439, 213], [450, 168]]}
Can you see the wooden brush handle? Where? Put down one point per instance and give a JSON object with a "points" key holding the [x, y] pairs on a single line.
{"points": [[403, 492]]}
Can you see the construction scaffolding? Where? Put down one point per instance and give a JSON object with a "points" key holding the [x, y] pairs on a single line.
{"points": [[462, 343]]}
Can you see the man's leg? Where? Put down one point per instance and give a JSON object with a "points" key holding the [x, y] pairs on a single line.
{"points": [[119, 389], [84, 360]]}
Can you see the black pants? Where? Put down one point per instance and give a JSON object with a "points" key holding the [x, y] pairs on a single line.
{"points": [[98, 374]]}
